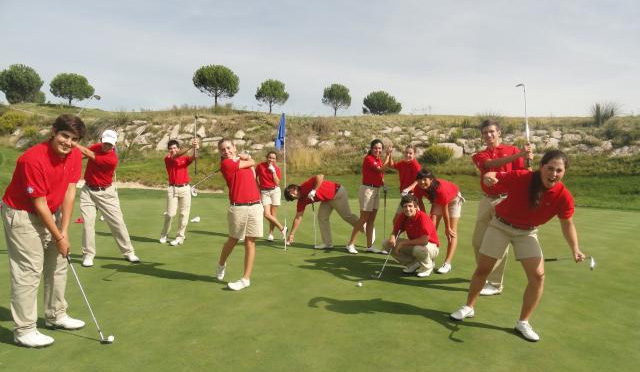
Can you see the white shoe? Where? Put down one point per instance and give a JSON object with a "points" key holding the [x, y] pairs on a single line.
{"points": [[101, 218], [524, 328], [66, 322], [445, 268], [323, 246], [284, 232], [411, 268], [177, 241], [373, 249], [239, 284], [220, 272], [87, 261], [131, 257], [33, 339], [352, 249], [424, 273], [270, 238], [490, 290], [463, 312], [163, 239]]}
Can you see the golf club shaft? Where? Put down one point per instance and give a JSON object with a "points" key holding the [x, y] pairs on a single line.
{"points": [[315, 236], [195, 151], [388, 255], [75, 274], [206, 178]]}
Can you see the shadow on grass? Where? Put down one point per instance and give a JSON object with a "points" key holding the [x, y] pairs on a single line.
{"points": [[378, 305], [153, 269], [364, 267], [139, 239], [212, 233]]}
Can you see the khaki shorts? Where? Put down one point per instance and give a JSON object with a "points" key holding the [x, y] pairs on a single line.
{"points": [[245, 221], [455, 207], [270, 196], [499, 235], [369, 198]]}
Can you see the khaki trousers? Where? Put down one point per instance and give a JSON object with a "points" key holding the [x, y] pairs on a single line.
{"points": [[107, 202], [340, 203], [424, 254], [33, 254], [178, 201], [486, 211]]}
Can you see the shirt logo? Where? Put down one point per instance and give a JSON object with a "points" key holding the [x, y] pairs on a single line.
{"points": [[29, 190]]}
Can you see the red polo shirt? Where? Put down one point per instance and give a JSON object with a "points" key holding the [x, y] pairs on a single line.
{"points": [[515, 209], [500, 151], [265, 177], [417, 226], [370, 174], [177, 169], [241, 182], [99, 172], [407, 171], [41, 172], [326, 191]]}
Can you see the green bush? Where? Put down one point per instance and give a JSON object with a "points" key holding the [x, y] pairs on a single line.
{"points": [[10, 121], [30, 131], [436, 155]]}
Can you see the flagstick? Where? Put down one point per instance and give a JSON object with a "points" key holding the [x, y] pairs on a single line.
{"points": [[284, 148]]}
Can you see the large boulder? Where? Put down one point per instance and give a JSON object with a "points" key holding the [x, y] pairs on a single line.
{"points": [[458, 151]]}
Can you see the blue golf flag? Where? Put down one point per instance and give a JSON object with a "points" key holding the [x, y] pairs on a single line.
{"points": [[281, 133]]}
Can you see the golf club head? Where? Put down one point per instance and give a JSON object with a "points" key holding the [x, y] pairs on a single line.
{"points": [[592, 263], [194, 191], [108, 340]]}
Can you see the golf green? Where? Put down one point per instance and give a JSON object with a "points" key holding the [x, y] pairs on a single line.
{"points": [[304, 311]]}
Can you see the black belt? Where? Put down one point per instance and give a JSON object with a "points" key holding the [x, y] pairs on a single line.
{"points": [[178, 184], [244, 204], [525, 228], [268, 188], [499, 196], [364, 184], [98, 188]]}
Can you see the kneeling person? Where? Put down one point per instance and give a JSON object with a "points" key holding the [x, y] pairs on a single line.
{"points": [[419, 251]]}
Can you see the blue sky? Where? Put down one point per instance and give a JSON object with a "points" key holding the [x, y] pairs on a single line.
{"points": [[456, 57]]}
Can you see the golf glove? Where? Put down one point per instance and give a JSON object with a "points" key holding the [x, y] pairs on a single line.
{"points": [[404, 193], [312, 194], [271, 168]]}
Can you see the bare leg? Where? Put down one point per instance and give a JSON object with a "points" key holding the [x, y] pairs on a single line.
{"points": [[249, 256], [364, 216], [453, 243], [227, 248], [485, 265], [273, 221], [371, 223], [534, 268]]}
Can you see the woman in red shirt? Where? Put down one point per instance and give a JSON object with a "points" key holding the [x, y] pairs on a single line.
{"points": [[446, 204], [533, 198], [268, 176], [369, 194]]}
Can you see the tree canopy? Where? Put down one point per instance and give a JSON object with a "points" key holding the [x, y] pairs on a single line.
{"points": [[272, 93], [381, 103], [337, 96], [216, 81], [71, 86], [20, 83]]}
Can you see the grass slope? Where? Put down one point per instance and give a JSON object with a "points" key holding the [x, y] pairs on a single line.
{"points": [[304, 312]]}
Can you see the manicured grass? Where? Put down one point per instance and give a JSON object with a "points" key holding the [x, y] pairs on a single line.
{"points": [[304, 312]]}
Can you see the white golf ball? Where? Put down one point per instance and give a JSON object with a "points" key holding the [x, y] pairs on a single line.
{"points": [[111, 338], [359, 284]]}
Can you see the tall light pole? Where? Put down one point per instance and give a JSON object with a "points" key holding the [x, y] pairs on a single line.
{"points": [[97, 98]]}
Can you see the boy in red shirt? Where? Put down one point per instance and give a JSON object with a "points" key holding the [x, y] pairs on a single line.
{"points": [[331, 196], [178, 192], [497, 157], [99, 193], [36, 211], [419, 251]]}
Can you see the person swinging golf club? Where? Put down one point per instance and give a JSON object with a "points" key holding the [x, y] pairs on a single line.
{"points": [[533, 198], [418, 252], [331, 196], [245, 211], [36, 211]]}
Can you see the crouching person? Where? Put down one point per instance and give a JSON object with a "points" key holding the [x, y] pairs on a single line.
{"points": [[418, 252]]}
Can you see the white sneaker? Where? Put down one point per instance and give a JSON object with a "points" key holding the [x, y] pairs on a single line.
{"points": [[163, 239], [323, 246], [490, 290], [270, 238], [445, 268], [177, 241], [33, 339], [101, 218], [423, 273], [239, 284], [463, 312], [373, 249], [87, 261], [352, 249], [411, 268], [220, 272], [524, 328], [284, 232], [66, 322], [131, 257]]}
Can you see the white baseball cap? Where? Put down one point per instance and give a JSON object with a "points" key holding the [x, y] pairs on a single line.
{"points": [[110, 136]]}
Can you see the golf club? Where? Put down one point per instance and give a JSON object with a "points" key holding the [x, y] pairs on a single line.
{"points": [[592, 261], [384, 218], [194, 190], [315, 236], [386, 259], [195, 151], [97, 97], [108, 340], [526, 120]]}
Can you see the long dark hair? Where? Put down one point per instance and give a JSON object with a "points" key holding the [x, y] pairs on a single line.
{"points": [[373, 143], [536, 187], [431, 191]]}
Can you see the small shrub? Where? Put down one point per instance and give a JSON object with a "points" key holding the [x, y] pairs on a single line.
{"points": [[603, 111], [10, 121], [323, 126], [30, 131], [455, 135], [436, 155]]}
